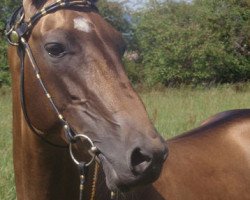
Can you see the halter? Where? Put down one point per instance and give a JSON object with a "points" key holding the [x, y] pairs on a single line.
{"points": [[17, 31]]}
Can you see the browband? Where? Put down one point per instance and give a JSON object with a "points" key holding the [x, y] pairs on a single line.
{"points": [[16, 27]]}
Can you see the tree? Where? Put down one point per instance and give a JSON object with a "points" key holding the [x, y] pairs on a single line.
{"points": [[116, 14], [201, 42], [119, 16]]}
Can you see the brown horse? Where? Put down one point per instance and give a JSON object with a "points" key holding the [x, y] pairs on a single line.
{"points": [[75, 55], [79, 59]]}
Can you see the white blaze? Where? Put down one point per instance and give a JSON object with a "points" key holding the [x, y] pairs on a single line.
{"points": [[82, 24]]}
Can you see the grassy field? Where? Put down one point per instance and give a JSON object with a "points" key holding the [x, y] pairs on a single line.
{"points": [[172, 110], [7, 190], [175, 111]]}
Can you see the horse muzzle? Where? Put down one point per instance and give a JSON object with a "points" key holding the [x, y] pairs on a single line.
{"points": [[140, 165]]}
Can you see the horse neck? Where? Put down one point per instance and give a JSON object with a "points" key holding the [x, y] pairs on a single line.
{"points": [[43, 171]]}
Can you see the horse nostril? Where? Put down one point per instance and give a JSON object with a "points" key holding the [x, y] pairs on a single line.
{"points": [[139, 161]]}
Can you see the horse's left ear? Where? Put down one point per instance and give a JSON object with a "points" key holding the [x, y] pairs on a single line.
{"points": [[31, 6], [36, 3]]}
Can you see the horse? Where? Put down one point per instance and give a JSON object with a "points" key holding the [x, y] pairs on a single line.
{"points": [[79, 60], [73, 100]]}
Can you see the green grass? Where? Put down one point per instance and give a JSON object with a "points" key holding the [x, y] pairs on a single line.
{"points": [[7, 189], [175, 111], [172, 110]]}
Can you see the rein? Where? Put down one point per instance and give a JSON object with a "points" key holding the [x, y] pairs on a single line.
{"points": [[17, 31]]}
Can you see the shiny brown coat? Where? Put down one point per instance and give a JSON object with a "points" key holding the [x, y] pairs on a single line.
{"points": [[210, 162]]}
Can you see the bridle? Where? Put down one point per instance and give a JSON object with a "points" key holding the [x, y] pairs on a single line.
{"points": [[17, 32]]}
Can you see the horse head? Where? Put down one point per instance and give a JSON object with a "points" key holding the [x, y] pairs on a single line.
{"points": [[79, 59]]}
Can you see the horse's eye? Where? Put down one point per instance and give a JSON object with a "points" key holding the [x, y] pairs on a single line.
{"points": [[55, 49]]}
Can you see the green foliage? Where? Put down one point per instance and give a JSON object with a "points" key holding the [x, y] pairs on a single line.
{"points": [[203, 42], [115, 13], [4, 70], [134, 71], [6, 8], [118, 15]]}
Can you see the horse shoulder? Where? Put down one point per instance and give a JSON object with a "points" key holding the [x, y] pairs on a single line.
{"points": [[211, 161]]}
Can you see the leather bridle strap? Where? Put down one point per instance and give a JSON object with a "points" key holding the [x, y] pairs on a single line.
{"points": [[20, 28], [68, 132], [58, 4]]}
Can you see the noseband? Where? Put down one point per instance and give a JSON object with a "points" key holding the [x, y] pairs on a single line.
{"points": [[17, 33]]}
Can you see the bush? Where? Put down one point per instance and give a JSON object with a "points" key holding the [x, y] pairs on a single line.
{"points": [[134, 71], [206, 41], [4, 70], [6, 8], [203, 42]]}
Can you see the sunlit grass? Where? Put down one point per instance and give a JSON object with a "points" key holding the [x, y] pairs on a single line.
{"points": [[7, 189], [174, 111]]}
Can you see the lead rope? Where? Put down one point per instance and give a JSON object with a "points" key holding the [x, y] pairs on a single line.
{"points": [[113, 195], [82, 170], [95, 177]]}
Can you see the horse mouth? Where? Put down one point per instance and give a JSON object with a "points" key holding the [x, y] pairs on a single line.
{"points": [[125, 182], [110, 173]]}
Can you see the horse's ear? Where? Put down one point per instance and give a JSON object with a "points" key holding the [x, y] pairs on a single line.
{"points": [[31, 6], [36, 3]]}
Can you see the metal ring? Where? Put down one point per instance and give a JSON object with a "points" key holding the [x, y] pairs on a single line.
{"points": [[8, 32], [92, 146]]}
